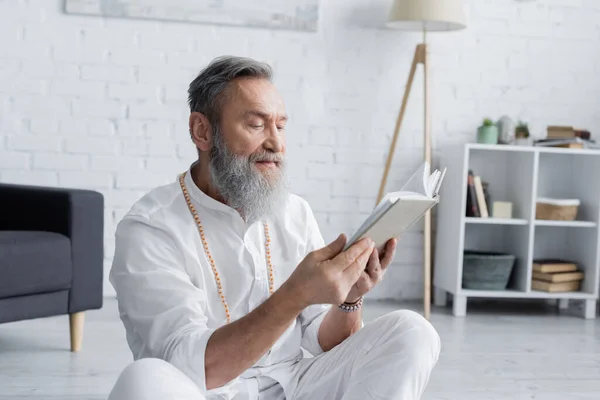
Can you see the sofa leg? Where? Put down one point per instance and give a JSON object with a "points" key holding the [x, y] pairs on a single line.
{"points": [[76, 327]]}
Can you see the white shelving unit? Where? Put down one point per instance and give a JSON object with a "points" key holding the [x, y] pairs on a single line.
{"points": [[520, 175]]}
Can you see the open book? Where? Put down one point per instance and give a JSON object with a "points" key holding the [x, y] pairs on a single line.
{"points": [[398, 211]]}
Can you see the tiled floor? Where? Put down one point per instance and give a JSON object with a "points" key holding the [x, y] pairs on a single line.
{"points": [[492, 354]]}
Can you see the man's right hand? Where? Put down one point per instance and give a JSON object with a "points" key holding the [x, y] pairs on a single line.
{"points": [[326, 275]]}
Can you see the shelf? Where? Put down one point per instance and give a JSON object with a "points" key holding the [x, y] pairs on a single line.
{"points": [[496, 147], [506, 239], [535, 294], [508, 293], [532, 149], [520, 294], [561, 150], [577, 245], [519, 175], [496, 221], [575, 224]]}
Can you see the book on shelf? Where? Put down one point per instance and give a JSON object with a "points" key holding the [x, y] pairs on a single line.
{"points": [[566, 132], [560, 132], [573, 286], [567, 137], [398, 211], [553, 266], [574, 143], [553, 275], [472, 207], [481, 202], [558, 277], [478, 198], [486, 194]]}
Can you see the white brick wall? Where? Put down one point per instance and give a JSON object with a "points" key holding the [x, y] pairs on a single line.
{"points": [[101, 104]]}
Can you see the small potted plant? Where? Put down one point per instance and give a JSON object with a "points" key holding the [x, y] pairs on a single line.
{"points": [[522, 134], [487, 133]]}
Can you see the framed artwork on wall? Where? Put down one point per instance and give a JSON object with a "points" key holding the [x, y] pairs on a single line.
{"points": [[300, 15]]}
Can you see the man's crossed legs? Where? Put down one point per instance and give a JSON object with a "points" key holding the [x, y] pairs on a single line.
{"points": [[390, 358]]}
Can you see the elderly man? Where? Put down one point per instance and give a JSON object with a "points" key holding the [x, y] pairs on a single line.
{"points": [[225, 286]]}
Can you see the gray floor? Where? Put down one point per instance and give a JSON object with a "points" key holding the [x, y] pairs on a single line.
{"points": [[495, 353]]}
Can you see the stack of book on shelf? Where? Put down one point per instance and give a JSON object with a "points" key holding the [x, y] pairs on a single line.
{"points": [[567, 137], [478, 198], [551, 275]]}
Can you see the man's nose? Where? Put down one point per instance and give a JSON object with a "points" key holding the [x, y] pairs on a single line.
{"points": [[274, 141]]}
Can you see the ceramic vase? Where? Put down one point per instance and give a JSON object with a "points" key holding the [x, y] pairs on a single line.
{"points": [[487, 134]]}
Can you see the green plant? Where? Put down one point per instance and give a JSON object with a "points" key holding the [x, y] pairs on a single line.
{"points": [[487, 133], [521, 130], [488, 122]]}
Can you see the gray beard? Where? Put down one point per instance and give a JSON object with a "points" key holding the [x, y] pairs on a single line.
{"points": [[242, 186]]}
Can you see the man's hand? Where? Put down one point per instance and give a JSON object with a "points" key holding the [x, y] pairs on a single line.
{"points": [[337, 325], [373, 274], [327, 275]]}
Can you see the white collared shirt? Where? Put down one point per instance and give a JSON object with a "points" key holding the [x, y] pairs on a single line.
{"points": [[166, 290]]}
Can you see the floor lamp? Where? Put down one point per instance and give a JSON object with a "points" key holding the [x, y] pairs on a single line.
{"points": [[424, 16]]}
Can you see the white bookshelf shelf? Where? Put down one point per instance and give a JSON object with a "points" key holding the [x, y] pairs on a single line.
{"points": [[509, 293], [519, 294], [535, 294], [574, 224], [520, 175], [496, 221]]}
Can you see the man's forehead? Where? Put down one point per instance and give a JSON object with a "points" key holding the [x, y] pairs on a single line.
{"points": [[257, 93]]}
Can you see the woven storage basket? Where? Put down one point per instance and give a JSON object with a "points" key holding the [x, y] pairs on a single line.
{"points": [[560, 210], [486, 270]]}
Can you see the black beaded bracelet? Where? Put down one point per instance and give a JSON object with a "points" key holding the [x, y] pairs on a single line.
{"points": [[351, 307]]}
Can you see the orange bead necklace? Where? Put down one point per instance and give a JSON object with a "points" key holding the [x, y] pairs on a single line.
{"points": [[209, 255]]}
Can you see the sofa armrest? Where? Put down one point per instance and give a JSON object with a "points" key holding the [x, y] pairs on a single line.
{"points": [[75, 213]]}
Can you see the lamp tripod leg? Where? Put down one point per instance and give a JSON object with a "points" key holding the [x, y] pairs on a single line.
{"points": [[416, 60], [420, 57], [427, 155]]}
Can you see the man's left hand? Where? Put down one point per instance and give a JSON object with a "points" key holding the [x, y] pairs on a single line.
{"points": [[373, 274]]}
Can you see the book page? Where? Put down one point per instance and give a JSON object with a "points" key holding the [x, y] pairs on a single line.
{"points": [[432, 182], [421, 182], [438, 184], [417, 183]]}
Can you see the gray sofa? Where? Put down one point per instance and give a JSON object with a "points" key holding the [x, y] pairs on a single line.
{"points": [[51, 254]]}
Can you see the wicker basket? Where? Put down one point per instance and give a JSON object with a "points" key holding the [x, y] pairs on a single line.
{"points": [[560, 210], [486, 270]]}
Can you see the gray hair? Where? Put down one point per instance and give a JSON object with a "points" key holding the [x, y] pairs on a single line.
{"points": [[205, 92]]}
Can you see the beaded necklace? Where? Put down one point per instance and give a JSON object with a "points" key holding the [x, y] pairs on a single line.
{"points": [[209, 255]]}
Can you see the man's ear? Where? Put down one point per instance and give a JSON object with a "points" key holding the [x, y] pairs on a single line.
{"points": [[200, 131]]}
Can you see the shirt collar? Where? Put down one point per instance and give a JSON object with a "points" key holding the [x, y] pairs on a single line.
{"points": [[203, 198]]}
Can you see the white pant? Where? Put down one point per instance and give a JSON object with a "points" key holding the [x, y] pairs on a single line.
{"points": [[390, 358]]}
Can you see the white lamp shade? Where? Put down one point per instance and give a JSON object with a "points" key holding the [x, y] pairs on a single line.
{"points": [[432, 15]]}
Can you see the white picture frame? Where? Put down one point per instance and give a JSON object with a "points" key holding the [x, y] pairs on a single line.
{"points": [[302, 15]]}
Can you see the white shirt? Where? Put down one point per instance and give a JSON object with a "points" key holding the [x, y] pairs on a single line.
{"points": [[166, 290]]}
